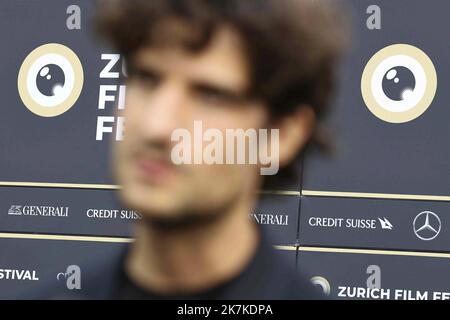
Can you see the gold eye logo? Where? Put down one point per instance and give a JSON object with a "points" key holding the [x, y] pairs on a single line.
{"points": [[399, 83], [50, 80]]}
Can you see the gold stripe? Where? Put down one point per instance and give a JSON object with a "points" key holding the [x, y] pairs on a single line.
{"points": [[273, 192], [288, 248], [88, 238], [59, 185], [280, 192], [338, 194], [110, 187], [376, 252], [64, 237]]}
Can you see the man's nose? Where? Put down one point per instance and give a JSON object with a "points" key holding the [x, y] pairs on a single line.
{"points": [[164, 112]]}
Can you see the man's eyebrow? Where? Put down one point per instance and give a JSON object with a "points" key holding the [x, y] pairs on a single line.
{"points": [[196, 84]]}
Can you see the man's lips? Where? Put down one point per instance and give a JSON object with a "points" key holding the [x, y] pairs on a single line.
{"points": [[153, 170]]}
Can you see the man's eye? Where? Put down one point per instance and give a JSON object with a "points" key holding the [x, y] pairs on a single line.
{"points": [[144, 78], [215, 96]]}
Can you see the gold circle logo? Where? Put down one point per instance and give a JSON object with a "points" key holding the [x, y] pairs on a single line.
{"points": [[50, 80], [399, 83]]}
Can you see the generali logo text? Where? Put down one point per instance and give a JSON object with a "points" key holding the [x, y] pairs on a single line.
{"points": [[272, 219], [34, 210]]}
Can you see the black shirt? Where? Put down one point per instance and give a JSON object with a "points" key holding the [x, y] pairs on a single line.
{"points": [[266, 276]]}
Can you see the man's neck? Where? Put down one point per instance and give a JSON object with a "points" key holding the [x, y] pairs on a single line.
{"points": [[196, 259]]}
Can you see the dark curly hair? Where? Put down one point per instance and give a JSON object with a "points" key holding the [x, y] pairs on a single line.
{"points": [[292, 46]]}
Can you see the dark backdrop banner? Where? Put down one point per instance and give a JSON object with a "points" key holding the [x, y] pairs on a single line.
{"points": [[368, 221]]}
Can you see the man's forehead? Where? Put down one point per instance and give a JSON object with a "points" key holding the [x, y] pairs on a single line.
{"points": [[223, 60]]}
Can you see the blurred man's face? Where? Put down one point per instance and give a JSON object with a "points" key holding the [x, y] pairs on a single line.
{"points": [[169, 89]]}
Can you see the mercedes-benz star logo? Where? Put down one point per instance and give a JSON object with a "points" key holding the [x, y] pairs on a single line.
{"points": [[427, 225]]}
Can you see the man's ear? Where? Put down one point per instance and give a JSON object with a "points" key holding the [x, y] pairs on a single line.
{"points": [[295, 129]]}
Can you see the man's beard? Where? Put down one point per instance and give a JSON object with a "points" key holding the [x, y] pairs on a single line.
{"points": [[190, 219]]}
